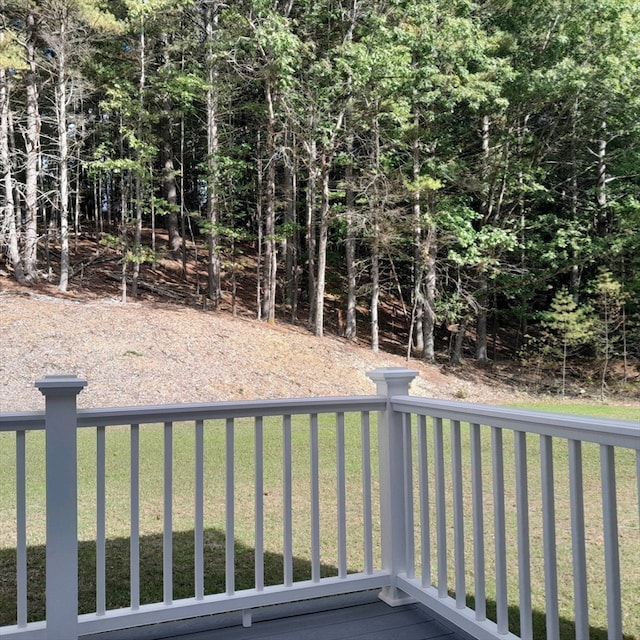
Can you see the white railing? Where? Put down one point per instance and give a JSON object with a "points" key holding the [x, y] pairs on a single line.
{"points": [[504, 529], [427, 500]]}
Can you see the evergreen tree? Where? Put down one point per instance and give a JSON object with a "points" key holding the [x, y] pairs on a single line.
{"points": [[571, 325]]}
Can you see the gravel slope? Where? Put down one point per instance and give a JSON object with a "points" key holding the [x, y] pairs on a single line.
{"points": [[145, 353]]}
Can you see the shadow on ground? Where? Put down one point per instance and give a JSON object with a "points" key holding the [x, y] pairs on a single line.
{"points": [[151, 578]]}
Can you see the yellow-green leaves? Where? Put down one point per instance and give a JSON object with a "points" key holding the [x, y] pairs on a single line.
{"points": [[11, 53]]}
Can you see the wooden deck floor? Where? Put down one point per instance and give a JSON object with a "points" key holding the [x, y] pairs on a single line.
{"points": [[354, 617]]}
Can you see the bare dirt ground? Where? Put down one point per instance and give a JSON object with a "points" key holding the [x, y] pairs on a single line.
{"points": [[148, 352]]}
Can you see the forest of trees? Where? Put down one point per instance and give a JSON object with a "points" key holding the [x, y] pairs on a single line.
{"points": [[476, 160]]}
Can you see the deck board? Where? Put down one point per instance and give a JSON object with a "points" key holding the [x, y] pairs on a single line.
{"points": [[375, 621], [351, 617]]}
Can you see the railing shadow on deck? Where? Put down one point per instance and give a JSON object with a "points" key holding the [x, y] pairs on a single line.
{"points": [[151, 578]]}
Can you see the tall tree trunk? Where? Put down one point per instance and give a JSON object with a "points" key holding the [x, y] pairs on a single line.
{"points": [[430, 252], [418, 304], [259, 225], [290, 243], [574, 194], [351, 323], [170, 189], [325, 211], [375, 288], [602, 198], [7, 181], [63, 149], [32, 143], [312, 185], [214, 283], [168, 167], [323, 237], [455, 354], [270, 252], [137, 240], [481, 323], [375, 249]]}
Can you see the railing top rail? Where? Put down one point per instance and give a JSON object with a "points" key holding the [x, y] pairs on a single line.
{"points": [[22, 421], [585, 428], [112, 416], [622, 433]]}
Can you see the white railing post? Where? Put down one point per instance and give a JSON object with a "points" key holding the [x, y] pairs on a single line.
{"points": [[392, 382], [62, 505]]}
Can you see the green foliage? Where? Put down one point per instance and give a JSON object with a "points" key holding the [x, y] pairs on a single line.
{"points": [[571, 324], [11, 55], [136, 254], [478, 125]]}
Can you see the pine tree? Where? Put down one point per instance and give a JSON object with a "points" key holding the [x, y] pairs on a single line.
{"points": [[571, 324]]}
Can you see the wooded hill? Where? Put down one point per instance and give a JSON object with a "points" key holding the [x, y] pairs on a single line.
{"points": [[475, 164]]}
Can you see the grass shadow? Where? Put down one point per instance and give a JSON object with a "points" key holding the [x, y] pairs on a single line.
{"points": [[539, 623], [151, 576]]}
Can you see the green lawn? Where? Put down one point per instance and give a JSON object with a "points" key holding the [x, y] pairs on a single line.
{"points": [[151, 509], [601, 410], [151, 516]]}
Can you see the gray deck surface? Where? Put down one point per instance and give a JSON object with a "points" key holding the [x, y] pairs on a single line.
{"points": [[354, 617]]}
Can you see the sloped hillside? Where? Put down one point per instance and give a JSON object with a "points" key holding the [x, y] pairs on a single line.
{"points": [[145, 352]]}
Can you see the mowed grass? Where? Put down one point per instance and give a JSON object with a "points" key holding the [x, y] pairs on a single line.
{"points": [[118, 480], [608, 411], [628, 507], [628, 525], [152, 516]]}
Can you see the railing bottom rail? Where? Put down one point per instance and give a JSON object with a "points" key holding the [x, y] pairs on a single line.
{"points": [[158, 613], [464, 619]]}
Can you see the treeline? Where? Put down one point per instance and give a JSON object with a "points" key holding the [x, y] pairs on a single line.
{"points": [[478, 160]]}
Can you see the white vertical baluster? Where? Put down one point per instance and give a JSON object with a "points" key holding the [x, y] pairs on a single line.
{"points": [[524, 552], [441, 508], [479, 569], [259, 498], [458, 514], [134, 499], [407, 449], [341, 496], [549, 539], [576, 494], [611, 544], [287, 504], [101, 537], [230, 510], [198, 533], [21, 527], [366, 492], [167, 536], [315, 500], [423, 487], [499, 530]]}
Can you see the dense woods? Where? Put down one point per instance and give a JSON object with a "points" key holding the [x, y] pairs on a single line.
{"points": [[476, 162]]}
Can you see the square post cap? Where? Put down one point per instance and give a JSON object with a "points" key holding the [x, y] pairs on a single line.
{"points": [[392, 380], [61, 385]]}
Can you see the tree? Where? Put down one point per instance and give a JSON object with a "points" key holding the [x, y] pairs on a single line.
{"points": [[609, 300], [65, 28], [572, 326], [10, 61], [210, 20]]}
